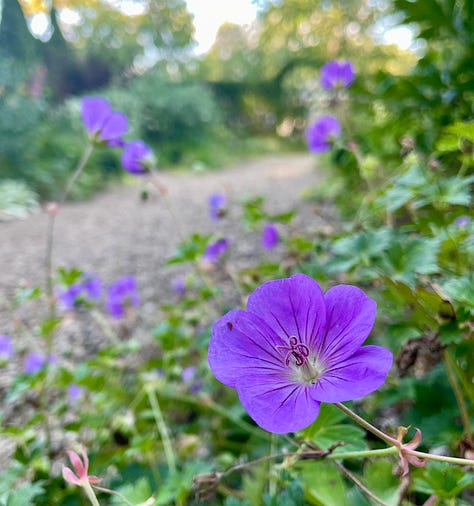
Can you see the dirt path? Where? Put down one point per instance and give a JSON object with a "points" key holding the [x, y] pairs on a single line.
{"points": [[117, 234]]}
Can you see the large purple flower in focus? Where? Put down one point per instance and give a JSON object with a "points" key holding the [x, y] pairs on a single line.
{"points": [[137, 157], [295, 347], [102, 123], [337, 74], [320, 134]]}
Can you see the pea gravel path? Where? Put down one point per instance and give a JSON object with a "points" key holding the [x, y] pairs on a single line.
{"points": [[117, 234]]}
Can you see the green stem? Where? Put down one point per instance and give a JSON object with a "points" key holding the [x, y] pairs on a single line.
{"points": [[398, 445], [359, 484], [367, 426], [450, 369], [440, 458], [113, 492], [163, 430], [272, 485], [382, 452], [90, 493]]}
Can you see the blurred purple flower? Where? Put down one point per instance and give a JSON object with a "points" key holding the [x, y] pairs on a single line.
{"points": [[89, 288], [179, 285], [137, 157], [320, 134], [122, 293], [337, 74], [92, 285], [75, 393], [101, 122], [216, 249], [34, 362], [217, 206], [6, 348], [270, 236], [462, 221], [188, 374], [295, 347]]}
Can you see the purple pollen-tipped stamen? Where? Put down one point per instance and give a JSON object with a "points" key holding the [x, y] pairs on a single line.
{"points": [[297, 350]]}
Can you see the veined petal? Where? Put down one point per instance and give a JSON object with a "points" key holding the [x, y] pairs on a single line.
{"points": [[291, 307], [114, 127], [276, 404], [241, 343], [356, 376], [350, 318], [95, 110]]}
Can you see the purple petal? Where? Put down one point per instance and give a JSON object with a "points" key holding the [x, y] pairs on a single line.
{"points": [[95, 110], [350, 318], [270, 236], [240, 343], [275, 404], [135, 155], [116, 125], [291, 307], [354, 377]]}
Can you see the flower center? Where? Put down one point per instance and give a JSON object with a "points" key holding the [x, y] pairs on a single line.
{"points": [[297, 355]]}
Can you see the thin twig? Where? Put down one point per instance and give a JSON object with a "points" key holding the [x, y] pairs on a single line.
{"points": [[357, 482]]}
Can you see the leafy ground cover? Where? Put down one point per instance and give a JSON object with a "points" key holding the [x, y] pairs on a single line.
{"points": [[295, 361]]}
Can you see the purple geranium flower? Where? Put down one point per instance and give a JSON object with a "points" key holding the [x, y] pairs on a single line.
{"points": [[270, 236], [295, 347], [34, 362], [75, 393], [462, 221], [337, 74], [321, 132], [6, 348], [89, 288], [217, 205], [137, 157], [121, 293], [102, 123], [179, 285], [216, 249]]}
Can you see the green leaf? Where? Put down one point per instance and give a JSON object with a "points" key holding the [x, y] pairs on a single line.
{"points": [[461, 291], [190, 250], [322, 482], [380, 479], [443, 480]]}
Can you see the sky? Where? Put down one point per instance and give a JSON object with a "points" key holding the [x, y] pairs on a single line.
{"points": [[210, 14]]}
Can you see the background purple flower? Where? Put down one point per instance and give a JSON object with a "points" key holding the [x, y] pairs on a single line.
{"points": [[75, 393], [295, 347], [217, 206], [337, 74], [89, 288], [102, 123], [122, 293], [321, 132], [270, 236], [179, 285], [216, 249], [6, 348], [462, 221], [136, 157], [34, 362]]}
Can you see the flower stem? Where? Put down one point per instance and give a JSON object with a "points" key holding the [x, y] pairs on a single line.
{"points": [[359, 484], [450, 369], [398, 445], [90, 493], [163, 430], [382, 452], [367, 426]]}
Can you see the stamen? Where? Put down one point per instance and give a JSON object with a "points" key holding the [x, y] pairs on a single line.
{"points": [[296, 350]]}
